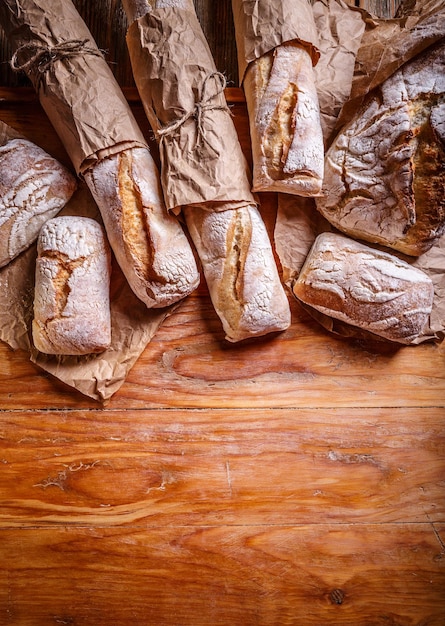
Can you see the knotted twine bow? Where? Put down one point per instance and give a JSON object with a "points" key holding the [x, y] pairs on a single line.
{"points": [[203, 106], [42, 56]]}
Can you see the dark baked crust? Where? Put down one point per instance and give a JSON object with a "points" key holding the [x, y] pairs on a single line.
{"points": [[385, 172]]}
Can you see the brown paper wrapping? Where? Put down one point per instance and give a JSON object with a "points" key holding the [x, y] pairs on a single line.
{"points": [[359, 52], [98, 376], [91, 117], [183, 96], [262, 25]]}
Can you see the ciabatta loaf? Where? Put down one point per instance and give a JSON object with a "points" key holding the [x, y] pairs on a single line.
{"points": [[240, 271], [72, 302], [284, 117], [34, 187], [369, 289], [149, 244], [385, 172]]}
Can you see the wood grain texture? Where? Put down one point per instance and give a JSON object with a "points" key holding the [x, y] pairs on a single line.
{"points": [[295, 480], [249, 575], [222, 467]]}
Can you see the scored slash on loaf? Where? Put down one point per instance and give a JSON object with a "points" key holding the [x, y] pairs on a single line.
{"points": [[72, 301]]}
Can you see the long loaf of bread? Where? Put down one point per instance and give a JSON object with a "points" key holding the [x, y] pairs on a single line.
{"points": [[88, 110], [276, 53], [232, 242], [34, 187]]}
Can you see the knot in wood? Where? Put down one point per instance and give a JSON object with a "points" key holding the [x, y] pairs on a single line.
{"points": [[337, 596]]}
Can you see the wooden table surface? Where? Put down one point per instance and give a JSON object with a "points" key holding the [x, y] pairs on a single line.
{"points": [[293, 480]]}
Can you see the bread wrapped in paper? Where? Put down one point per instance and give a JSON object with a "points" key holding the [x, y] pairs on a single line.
{"points": [[203, 170], [277, 49], [82, 99]]}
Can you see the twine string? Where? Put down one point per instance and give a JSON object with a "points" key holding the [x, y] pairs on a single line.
{"points": [[43, 56], [203, 106]]}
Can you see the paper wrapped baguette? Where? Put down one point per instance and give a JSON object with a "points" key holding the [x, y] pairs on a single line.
{"points": [[385, 171], [366, 288], [34, 187], [277, 48], [82, 99], [203, 170], [72, 290]]}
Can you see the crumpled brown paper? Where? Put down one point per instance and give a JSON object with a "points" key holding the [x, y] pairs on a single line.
{"points": [[379, 47], [183, 96], [92, 118], [262, 25], [98, 376]]}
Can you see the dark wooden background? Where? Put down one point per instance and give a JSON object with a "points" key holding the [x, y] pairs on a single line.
{"points": [[108, 24]]}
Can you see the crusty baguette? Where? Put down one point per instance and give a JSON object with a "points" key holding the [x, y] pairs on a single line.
{"points": [[149, 244], [88, 110], [240, 271], [34, 187], [385, 171], [364, 287], [72, 301], [284, 117], [229, 235]]}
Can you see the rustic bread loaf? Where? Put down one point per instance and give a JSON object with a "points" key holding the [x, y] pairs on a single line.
{"points": [[72, 302], [149, 244], [240, 271], [385, 172], [369, 289], [34, 187], [284, 117]]}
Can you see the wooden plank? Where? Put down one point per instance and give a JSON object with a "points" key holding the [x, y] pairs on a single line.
{"points": [[243, 576], [108, 468], [189, 364]]}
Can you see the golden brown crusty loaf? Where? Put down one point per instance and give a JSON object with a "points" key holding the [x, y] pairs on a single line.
{"points": [[285, 127], [364, 287], [385, 172], [240, 271], [34, 187], [72, 302], [149, 244]]}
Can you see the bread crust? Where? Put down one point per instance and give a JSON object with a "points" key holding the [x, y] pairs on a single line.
{"points": [[149, 244], [284, 117], [34, 187], [385, 172], [72, 301], [367, 288], [240, 271]]}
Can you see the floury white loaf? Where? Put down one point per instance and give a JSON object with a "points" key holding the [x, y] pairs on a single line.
{"points": [[240, 271], [385, 171], [366, 288], [34, 187], [285, 127], [277, 46], [149, 244], [72, 301]]}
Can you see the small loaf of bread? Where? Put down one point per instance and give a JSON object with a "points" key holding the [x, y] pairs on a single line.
{"points": [[149, 244], [366, 288], [240, 271], [34, 187], [72, 301], [385, 172], [284, 117]]}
